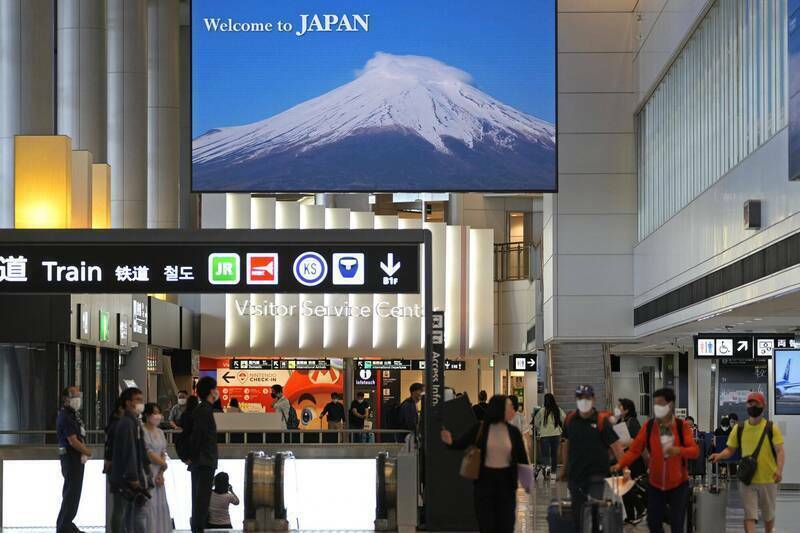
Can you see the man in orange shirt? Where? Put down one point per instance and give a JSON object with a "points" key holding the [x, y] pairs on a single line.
{"points": [[670, 445]]}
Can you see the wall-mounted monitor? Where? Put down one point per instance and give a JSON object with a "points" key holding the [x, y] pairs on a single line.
{"points": [[373, 95], [787, 382]]}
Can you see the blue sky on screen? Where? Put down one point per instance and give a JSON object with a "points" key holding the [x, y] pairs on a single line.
{"points": [[507, 46]]}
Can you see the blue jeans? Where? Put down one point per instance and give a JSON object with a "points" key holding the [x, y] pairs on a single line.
{"points": [[135, 517], [550, 451]]}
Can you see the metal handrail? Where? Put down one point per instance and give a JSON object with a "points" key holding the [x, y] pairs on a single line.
{"points": [[260, 436], [514, 261]]}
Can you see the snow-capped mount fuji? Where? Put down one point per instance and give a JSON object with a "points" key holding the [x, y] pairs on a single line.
{"points": [[404, 123]]}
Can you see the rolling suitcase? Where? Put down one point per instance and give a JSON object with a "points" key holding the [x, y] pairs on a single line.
{"points": [[602, 516], [559, 517], [708, 506]]}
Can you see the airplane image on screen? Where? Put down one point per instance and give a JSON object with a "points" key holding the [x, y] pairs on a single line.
{"points": [[787, 387]]}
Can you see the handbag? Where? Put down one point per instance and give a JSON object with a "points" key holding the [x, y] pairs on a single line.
{"points": [[471, 462], [747, 466]]}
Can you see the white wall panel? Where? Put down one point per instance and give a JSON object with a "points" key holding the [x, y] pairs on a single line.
{"points": [[596, 113], [595, 73], [359, 329], [439, 253], [311, 327], [596, 32], [481, 291], [287, 216], [409, 330], [237, 326], [455, 250], [262, 328], [335, 327], [384, 330]]}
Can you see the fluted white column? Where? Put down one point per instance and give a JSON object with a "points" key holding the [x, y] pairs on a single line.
{"points": [[262, 328], [127, 111], [163, 114], [26, 85], [81, 94], [237, 326]]}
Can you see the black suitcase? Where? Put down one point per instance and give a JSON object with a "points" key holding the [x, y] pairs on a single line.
{"points": [[603, 516], [560, 518]]}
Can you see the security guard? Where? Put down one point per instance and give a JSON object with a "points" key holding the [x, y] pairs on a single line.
{"points": [[74, 454]]}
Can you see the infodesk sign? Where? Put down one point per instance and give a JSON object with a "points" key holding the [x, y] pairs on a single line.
{"points": [[373, 95], [210, 261]]}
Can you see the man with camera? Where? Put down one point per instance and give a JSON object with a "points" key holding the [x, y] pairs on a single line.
{"points": [[129, 470]]}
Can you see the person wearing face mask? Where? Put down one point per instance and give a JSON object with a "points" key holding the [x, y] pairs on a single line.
{"points": [[669, 442], [763, 441], [588, 434], [721, 442], [157, 509], [178, 409], [73, 454], [501, 451], [129, 470], [635, 501], [204, 453]]}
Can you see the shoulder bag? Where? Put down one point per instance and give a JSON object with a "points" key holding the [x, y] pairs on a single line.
{"points": [[747, 466], [471, 462]]}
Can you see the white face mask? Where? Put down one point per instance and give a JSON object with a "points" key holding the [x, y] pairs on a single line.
{"points": [[584, 405], [181, 401], [139, 408], [661, 410], [617, 412], [156, 419], [76, 403]]}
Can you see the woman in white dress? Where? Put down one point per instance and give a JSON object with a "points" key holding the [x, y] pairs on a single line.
{"points": [[157, 510]]}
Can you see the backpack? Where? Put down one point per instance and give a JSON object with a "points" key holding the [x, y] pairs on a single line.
{"points": [[394, 416], [182, 444], [678, 425], [602, 416], [292, 422]]}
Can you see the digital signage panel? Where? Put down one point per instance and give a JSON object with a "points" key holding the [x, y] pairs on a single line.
{"points": [[369, 95], [787, 382]]}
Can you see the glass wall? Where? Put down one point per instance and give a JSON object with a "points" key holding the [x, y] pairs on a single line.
{"points": [[723, 97]]}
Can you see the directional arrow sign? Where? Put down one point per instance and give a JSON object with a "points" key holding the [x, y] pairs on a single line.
{"points": [[390, 267], [531, 363], [741, 346], [227, 376]]}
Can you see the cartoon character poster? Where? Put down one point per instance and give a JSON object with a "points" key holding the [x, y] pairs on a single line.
{"points": [[307, 390]]}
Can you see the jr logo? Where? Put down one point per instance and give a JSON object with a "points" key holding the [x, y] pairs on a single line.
{"points": [[223, 269]]}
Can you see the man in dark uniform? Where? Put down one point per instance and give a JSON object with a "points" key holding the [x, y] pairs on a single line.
{"points": [[73, 453], [203, 454]]}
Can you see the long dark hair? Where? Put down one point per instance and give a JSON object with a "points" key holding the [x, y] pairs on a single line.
{"points": [[629, 406], [221, 483], [496, 411], [551, 410]]}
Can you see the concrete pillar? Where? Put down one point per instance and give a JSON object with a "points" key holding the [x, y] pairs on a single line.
{"points": [[189, 210], [127, 111], [81, 93], [163, 114], [26, 85]]}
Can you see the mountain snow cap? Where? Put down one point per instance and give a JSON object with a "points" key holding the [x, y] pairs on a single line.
{"points": [[410, 67]]}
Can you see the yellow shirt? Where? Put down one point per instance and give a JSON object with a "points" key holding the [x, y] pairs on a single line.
{"points": [[767, 465]]}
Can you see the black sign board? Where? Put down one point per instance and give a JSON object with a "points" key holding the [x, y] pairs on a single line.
{"points": [[384, 364], [280, 364], [523, 362], [435, 392], [739, 345], [449, 364], [209, 261]]}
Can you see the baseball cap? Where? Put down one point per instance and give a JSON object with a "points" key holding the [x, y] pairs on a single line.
{"points": [[584, 390], [757, 397]]}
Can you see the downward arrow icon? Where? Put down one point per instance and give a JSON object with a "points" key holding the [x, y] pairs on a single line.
{"points": [[390, 267]]}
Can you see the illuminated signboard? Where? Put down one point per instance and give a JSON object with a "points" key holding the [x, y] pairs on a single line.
{"points": [[372, 95], [740, 345], [206, 262], [280, 364]]}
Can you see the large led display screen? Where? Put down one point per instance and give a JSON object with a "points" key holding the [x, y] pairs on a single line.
{"points": [[787, 382], [373, 95]]}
